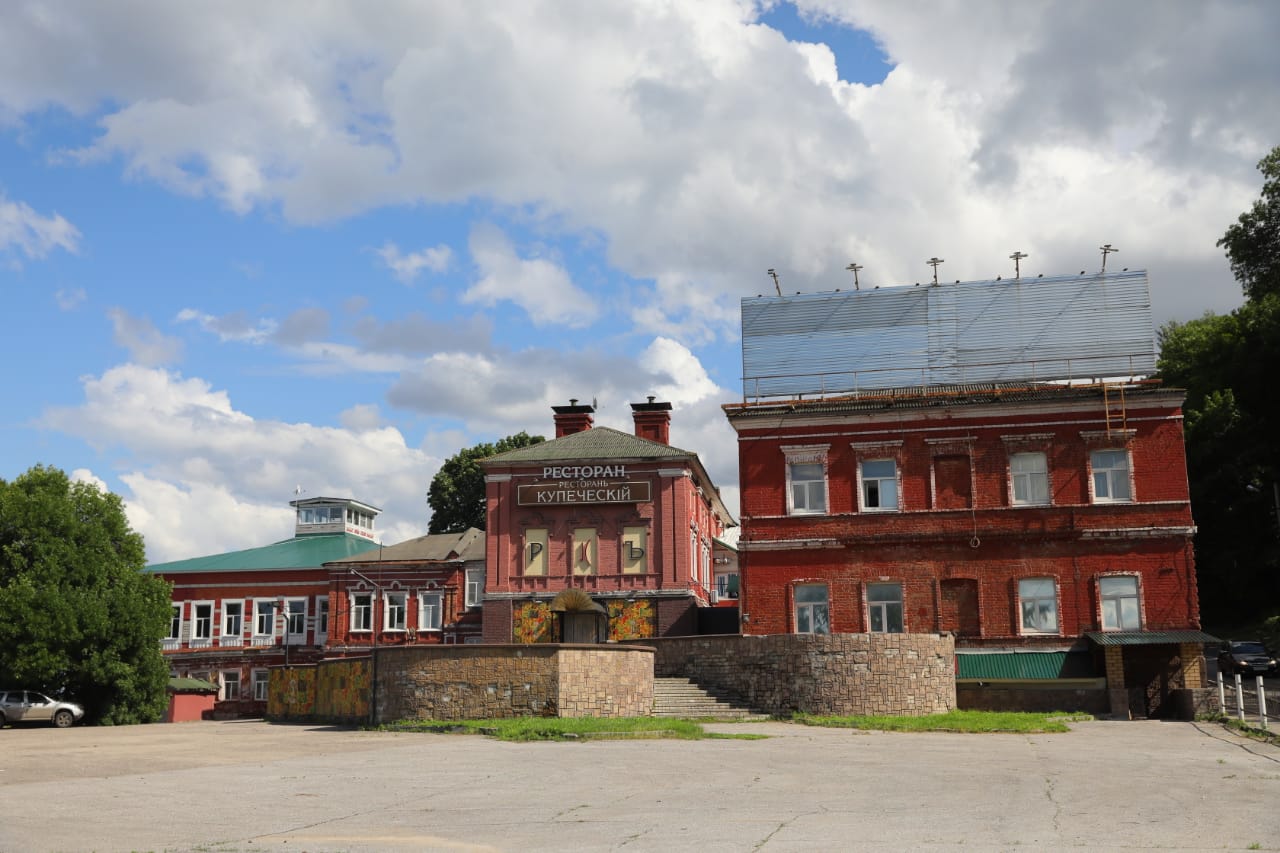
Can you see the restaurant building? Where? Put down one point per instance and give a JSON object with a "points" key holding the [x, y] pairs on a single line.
{"points": [[599, 534]]}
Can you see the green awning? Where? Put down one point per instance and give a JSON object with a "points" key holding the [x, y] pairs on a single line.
{"points": [[1014, 666], [1149, 638], [191, 685]]}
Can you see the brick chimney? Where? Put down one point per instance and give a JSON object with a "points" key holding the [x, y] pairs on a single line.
{"points": [[573, 418], [653, 421]]}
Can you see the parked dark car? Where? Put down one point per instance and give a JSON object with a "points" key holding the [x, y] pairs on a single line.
{"points": [[28, 706], [1247, 657]]}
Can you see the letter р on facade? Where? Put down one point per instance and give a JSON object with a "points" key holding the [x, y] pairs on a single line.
{"points": [[626, 518], [989, 459]]}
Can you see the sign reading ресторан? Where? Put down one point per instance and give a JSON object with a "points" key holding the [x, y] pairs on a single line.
{"points": [[584, 484]]}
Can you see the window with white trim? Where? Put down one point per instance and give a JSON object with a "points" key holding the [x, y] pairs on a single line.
{"points": [[878, 489], [394, 611], [1038, 603], [322, 618], [1120, 603], [1110, 469], [202, 622], [361, 611], [175, 622], [813, 615], [1029, 479], [230, 685], [232, 618], [806, 468], [884, 608], [430, 608], [295, 612], [264, 618], [261, 684], [475, 579]]}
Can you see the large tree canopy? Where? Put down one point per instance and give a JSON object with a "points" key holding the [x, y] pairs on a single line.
{"points": [[78, 617], [456, 496], [1253, 243], [1228, 364]]}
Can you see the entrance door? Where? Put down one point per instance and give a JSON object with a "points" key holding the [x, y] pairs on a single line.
{"points": [[580, 627]]}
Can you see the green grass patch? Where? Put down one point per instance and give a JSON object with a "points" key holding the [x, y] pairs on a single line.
{"points": [[953, 721], [557, 728]]}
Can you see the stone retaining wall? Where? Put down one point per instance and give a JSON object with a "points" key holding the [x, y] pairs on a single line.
{"points": [[487, 681], [1032, 697], [893, 674]]}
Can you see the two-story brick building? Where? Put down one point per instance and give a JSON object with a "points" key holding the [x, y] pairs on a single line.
{"points": [[1042, 517], [236, 614], [599, 534]]}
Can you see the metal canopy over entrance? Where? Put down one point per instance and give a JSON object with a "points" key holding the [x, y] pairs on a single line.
{"points": [[1041, 329]]}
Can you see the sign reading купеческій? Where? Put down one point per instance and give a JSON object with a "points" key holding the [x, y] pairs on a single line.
{"points": [[584, 484]]}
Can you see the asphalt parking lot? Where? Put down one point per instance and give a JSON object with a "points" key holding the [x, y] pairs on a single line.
{"points": [[252, 786]]}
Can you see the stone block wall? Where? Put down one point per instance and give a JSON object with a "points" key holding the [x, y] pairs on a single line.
{"points": [[597, 681], [482, 682], [892, 674]]}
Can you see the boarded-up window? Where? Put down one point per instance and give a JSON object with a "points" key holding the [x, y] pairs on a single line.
{"points": [[585, 551], [953, 487], [960, 606], [535, 551], [635, 548]]}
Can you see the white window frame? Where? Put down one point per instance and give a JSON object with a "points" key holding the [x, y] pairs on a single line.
{"points": [[322, 619], [1036, 596], [175, 621], [883, 607], [807, 611], [1028, 478], [864, 481], [260, 637], [229, 630], [430, 603], [293, 617], [260, 679], [723, 585], [474, 592], [1104, 598], [354, 608], [205, 639], [227, 681], [1113, 476], [394, 599], [807, 455]]}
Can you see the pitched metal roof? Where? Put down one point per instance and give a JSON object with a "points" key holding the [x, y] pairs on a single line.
{"points": [[191, 685], [300, 552], [595, 443], [1149, 638], [436, 547]]}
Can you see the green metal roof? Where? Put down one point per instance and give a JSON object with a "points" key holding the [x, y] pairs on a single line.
{"points": [[191, 685], [1149, 638], [1024, 665], [300, 552], [595, 443]]}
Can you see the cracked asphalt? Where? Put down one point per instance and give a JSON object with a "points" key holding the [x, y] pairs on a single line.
{"points": [[251, 786]]}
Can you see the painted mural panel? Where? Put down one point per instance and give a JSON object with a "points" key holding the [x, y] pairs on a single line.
{"points": [[532, 622], [291, 692], [342, 689], [632, 620]]}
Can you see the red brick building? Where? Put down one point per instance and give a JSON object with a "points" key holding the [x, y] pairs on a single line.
{"points": [[1015, 516], [627, 520], [421, 592], [236, 614]]}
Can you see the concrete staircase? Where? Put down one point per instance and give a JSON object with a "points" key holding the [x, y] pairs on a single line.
{"points": [[682, 697]]}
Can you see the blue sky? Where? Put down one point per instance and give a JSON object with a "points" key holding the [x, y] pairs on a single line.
{"points": [[252, 249]]}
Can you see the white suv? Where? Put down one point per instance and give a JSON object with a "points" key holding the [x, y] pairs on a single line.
{"points": [[27, 706]]}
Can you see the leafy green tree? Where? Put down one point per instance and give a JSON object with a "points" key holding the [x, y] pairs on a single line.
{"points": [[1227, 364], [78, 617], [456, 496], [1253, 243]]}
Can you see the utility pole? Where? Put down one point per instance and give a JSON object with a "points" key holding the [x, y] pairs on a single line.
{"points": [[1017, 257], [933, 262], [774, 274], [853, 268], [1106, 249]]}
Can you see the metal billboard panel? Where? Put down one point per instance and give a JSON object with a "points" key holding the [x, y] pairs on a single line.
{"points": [[1030, 329]]}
